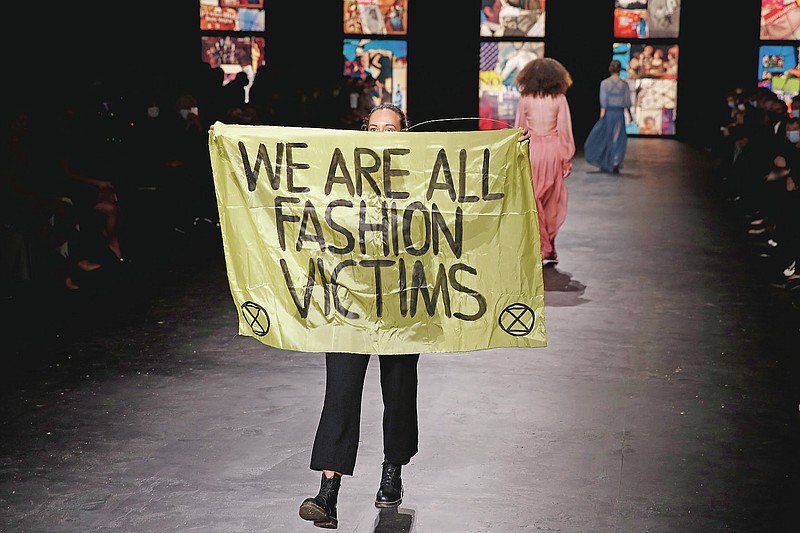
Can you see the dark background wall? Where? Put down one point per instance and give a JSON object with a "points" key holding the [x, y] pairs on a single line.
{"points": [[719, 50]]}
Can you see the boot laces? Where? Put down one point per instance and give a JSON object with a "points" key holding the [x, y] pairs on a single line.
{"points": [[327, 489], [389, 473]]}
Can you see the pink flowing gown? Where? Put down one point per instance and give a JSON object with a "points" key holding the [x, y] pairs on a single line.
{"points": [[552, 147]]}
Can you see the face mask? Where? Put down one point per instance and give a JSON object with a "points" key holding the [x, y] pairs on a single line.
{"points": [[753, 103], [184, 113], [796, 113], [194, 111], [731, 105], [741, 107], [793, 136], [153, 111]]}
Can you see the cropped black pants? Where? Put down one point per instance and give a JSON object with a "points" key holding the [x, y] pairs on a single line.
{"points": [[336, 441]]}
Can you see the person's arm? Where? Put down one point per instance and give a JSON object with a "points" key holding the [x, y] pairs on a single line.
{"points": [[74, 174], [521, 122], [566, 137], [603, 99], [628, 102]]}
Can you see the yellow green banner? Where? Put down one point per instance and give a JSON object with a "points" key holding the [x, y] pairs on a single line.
{"points": [[379, 243]]}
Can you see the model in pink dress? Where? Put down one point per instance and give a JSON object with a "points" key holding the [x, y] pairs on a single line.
{"points": [[544, 111]]}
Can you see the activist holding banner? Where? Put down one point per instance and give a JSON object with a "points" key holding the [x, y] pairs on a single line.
{"points": [[358, 244], [336, 442]]}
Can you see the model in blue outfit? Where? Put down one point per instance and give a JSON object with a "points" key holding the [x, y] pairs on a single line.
{"points": [[607, 142]]}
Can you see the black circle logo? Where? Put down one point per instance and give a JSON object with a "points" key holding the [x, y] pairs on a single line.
{"points": [[517, 320], [256, 317]]}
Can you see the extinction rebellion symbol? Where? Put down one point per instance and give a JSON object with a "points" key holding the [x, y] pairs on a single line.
{"points": [[517, 320], [256, 317]]}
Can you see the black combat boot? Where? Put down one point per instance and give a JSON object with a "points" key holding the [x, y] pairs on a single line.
{"points": [[390, 493], [321, 509]]}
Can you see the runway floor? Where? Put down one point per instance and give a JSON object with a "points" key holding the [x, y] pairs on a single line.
{"points": [[665, 401]]}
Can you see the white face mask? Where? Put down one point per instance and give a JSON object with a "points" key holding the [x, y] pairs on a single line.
{"points": [[796, 113], [741, 107], [184, 113], [793, 136], [731, 104], [194, 111], [153, 111]]}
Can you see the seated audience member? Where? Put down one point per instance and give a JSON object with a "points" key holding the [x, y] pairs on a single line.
{"points": [[89, 168], [41, 228], [782, 206], [761, 134]]}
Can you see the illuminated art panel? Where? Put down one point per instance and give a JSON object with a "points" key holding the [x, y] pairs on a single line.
{"points": [[376, 17], [778, 70], [780, 20], [234, 55], [644, 19], [512, 18], [386, 61], [498, 93], [227, 15], [630, 21], [664, 18], [652, 75]]}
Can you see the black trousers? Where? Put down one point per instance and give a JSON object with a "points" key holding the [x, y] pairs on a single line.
{"points": [[336, 441]]}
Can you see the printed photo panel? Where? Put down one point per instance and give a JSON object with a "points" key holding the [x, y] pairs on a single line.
{"points": [[512, 18], [656, 100], [498, 92], [778, 70], [226, 15], [630, 20], [645, 19], [375, 17], [654, 89], [780, 20], [234, 55], [385, 61], [652, 61], [664, 18]]}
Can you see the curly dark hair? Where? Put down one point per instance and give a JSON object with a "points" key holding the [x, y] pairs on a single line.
{"points": [[544, 76]]}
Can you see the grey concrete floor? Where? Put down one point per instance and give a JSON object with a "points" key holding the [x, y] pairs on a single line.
{"points": [[665, 401]]}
